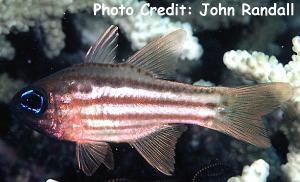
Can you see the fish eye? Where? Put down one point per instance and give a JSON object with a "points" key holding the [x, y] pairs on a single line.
{"points": [[33, 100]]}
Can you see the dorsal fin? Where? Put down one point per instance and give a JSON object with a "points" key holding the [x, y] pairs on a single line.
{"points": [[91, 155], [158, 149], [160, 56], [104, 49]]}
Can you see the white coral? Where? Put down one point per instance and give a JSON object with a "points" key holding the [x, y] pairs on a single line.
{"points": [[6, 51], [141, 29], [258, 172], [255, 66], [291, 169], [263, 68], [21, 14]]}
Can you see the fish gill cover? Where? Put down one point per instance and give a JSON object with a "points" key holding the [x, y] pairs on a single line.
{"points": [[228, 43]]}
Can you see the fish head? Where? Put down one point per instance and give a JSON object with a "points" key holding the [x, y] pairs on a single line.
{"points": [[34, 106]]}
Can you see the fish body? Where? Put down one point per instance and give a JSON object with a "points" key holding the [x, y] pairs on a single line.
{"points": [[101, 101], [119, 103]]}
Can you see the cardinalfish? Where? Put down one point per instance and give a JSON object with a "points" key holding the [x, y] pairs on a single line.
{"points": [[136, 101]]}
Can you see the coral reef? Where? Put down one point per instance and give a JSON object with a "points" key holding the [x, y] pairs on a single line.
{"points": [[142, 29], [291, 170], [258, 171], [263, 68], [6, 51], [67, 28], [21, 15], [203, 83]]}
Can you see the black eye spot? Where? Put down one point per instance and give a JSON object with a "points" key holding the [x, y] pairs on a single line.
{"points": [[34, 101]]}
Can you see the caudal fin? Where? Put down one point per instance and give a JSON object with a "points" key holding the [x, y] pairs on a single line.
{"points": [[242, 107]]}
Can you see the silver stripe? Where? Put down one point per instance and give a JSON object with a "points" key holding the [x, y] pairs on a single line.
{"points": [[98, 92], [122, 109]]}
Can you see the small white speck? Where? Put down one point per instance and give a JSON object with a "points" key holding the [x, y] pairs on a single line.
{"points": [[51, 180]]}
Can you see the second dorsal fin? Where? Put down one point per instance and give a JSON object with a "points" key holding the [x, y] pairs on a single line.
{"points": [[104, 49], [160, 56]]}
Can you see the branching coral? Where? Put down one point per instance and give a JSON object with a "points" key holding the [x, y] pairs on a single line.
{"points": [[6, 51], [262, 68], [142, 29], [258, 171], [291, 170], [20, 15]]}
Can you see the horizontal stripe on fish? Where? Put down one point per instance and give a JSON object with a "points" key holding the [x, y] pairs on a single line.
{"points": [[105, 91], [94, 126], [118, 135], [126, 121], [121, 109], [145, 101]]}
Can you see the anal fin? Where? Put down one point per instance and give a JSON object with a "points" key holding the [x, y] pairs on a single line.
{"points": [[91, 155], [158, 149]]}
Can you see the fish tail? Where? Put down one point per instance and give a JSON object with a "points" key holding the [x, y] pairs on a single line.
{"points": [[240, 112]]}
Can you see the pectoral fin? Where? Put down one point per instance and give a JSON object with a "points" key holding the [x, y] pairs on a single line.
{"points": [[104, 49], [158, 149], [160, 56], [91, 155]]}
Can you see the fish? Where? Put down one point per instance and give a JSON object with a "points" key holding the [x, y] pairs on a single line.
{"points": [[138, 101]]}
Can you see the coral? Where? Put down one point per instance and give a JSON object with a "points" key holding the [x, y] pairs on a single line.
{"points": [[246, 153], [255, 66], [258, 171], [8, 87], [291, 169], [6, 50], [141, 29], [203, 83], [262, 68], [21, 15]]}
